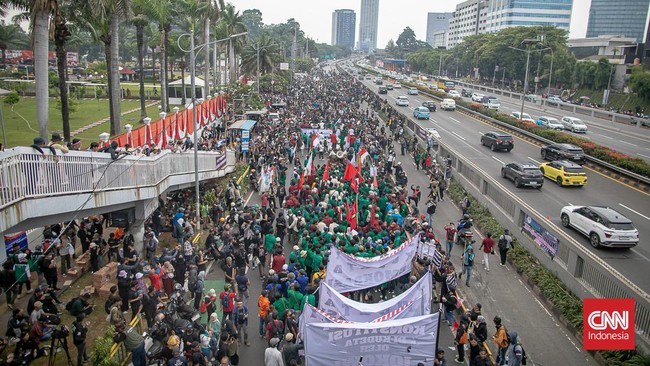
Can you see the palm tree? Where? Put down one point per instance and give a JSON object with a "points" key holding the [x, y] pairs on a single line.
{"points": [[11, 36], [162, 11], [106, 16], [269, 52], [232, 23], [40, 11], [212, 13], [140, 19], [61, 37]]}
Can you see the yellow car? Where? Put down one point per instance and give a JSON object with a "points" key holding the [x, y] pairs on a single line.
{"points": [[564, 173]]}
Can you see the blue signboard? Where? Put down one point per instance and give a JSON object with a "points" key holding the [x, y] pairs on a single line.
{"points": [[547, 241], [20, 239]]}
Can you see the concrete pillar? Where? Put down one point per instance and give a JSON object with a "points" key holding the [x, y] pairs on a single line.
{"points": [[143, 209]]}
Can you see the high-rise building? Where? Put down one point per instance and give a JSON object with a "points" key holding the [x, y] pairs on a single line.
{"points": [[468, 19], [437, 22], [627, 18], [343, 27], [513, 13], [368, 24]]}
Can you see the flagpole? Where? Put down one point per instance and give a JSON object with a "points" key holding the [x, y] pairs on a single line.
{"points": [[438, 333]]}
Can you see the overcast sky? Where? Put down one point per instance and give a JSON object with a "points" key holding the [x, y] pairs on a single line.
{"points": [[315, 17]]}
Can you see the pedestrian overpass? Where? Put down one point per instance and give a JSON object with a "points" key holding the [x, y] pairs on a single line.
{"points": [[40, 189]]}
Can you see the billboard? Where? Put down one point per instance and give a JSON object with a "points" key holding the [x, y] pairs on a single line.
{"points": [[547, 241]]}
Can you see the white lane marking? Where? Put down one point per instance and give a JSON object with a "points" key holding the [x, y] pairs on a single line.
{"points": [[570, 204], [481, 133], [628, 143], [607, 137], [433, 120], [645, 156], [636, 212], [454, 119], [459, 136], [495, 158], [537, 162]]}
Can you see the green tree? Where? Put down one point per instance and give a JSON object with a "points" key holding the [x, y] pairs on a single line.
{"points": [[640, 82], [12, 99], [252, 19], [11, 36], [268, 55]]}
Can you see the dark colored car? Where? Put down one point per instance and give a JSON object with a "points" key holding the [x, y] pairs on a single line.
{"points": [[523, 174], [497, 141], [430, 105], [383, 90], [568, 152], [466, 93], [389, 86]]}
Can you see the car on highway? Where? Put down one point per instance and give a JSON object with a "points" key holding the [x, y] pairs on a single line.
{"points": [[563, 152], [402, 101], [431, 105], [525, 117], [477, 97], [574, 124], [453, 94], [564, 173], [433, 133], [378, 80], [397, 86], [604, 226], [523, 174], [421, 113], [531, 98], [432, 86], [383, 90], [412, 91], [553, 100], [466, 93], [497, 140], [550, 122], [368, 77], [389, 86], [448, 104], [491, 102]]}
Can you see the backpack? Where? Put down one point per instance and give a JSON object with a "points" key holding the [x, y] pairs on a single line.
{"points": [[468, 203], [225, 300], [524, 358], [503, 242], [276, 332], [108, 305], [68, 305]]}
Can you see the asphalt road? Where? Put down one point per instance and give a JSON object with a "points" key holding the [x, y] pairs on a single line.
{"points": [[631, 140], [464, 133]]}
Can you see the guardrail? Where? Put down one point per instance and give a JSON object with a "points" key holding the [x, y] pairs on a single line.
{"points": [[560, 106], [25, 173]]}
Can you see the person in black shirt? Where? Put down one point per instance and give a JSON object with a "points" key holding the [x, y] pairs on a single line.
{"points": [[27, 349], [135, 299], [79, 338]]}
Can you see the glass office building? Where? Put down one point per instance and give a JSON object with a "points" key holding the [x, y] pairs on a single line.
{"points": [[512, 13], [627, 18], [368, 24]]}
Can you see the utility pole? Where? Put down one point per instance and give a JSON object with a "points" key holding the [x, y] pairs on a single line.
{"points": [[293, 53]]}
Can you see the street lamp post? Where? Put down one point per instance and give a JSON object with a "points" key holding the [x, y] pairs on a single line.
{"points": [[192, 51], [527, 51]]}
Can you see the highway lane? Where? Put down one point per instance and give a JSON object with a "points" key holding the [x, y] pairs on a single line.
{"points": [[464, 133], [630, 140]]}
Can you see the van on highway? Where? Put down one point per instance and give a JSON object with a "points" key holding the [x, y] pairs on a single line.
{"points": [[490, 102], [448, 104]]}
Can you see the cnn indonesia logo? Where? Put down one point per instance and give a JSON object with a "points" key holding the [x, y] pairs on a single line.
{"points": [[608, 324]]}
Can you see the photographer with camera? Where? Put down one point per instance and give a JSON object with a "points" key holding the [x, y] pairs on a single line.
{"points": [[79, 332], [80, 305], [27, 349]]}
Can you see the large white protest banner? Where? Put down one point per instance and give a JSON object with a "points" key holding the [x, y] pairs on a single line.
{"points": [[338, 306], [348, 273], [400, 342]]}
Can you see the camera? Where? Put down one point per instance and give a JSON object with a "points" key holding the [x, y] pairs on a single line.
{"points": [[61, 332]]}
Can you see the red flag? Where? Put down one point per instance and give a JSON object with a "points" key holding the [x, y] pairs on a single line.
{"points": [[354, 186], [350, 172], [352, 216], [374, 182], [302, 181], [326, 173], [373, 219]]}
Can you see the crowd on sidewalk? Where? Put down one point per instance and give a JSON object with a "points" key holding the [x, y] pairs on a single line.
{"points": [[344, 189]]}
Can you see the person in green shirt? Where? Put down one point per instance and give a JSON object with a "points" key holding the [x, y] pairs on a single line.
{"points": [[295, 297], [281, 306]]}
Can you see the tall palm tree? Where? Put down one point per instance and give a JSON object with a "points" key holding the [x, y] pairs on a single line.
{"points": [[105, 15], [269, 52], [163, 11], [140, 19], [40, 11], [212, 13], [232, 23], [61, 36]]}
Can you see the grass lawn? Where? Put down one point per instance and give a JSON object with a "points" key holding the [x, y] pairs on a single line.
{"points": [[21, 132], [133, 118]]}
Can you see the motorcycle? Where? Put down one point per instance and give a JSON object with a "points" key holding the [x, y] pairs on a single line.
{"points": [[464, 235]]}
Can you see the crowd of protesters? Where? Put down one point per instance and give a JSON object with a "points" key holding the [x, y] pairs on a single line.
{"points": [[344, 189]]}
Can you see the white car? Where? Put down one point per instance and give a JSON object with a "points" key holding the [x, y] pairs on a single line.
{"points": [[550, 122], [397, 86], [448, 104], [603, 226], [453, 94], [402, 101], [522, 117], [433, 132], [477, 97], [413, 91], [574, 124]]}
